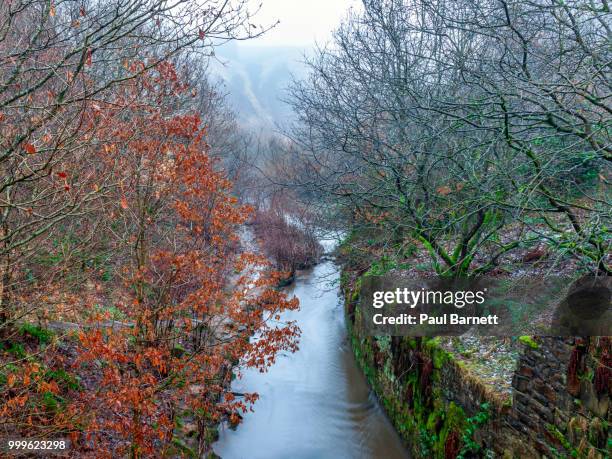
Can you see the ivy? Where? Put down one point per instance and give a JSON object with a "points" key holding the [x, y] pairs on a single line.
{"points": [[472, 425]]}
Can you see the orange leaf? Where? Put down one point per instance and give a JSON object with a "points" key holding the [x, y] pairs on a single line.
{"points": [[124, 203], [29, 148]]}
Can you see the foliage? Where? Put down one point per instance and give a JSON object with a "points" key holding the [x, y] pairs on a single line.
{"points": [[472, 424], [449, 124], [290, 244], [43, 336], [112, 195]]}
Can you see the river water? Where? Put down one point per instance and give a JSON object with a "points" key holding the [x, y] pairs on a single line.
{"points": [[315, 403]]}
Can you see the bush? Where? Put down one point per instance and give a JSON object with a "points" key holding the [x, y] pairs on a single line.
{"points": [[43, 335], [289, 245]]}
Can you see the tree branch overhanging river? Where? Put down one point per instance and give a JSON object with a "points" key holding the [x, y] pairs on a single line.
{"points": [[314, 403]]}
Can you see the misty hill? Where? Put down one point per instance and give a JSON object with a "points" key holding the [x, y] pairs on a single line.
{"points": [[256, 79]]}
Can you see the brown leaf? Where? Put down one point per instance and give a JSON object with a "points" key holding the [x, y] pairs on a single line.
{"points": [[444, 190]]}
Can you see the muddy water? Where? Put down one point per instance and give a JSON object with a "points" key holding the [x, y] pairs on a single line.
{"points": [[315, 403]]}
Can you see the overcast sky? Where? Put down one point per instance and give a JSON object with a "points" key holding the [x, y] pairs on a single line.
{"points": [[302, 22]]}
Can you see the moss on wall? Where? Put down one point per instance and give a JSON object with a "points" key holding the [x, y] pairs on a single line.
{"points": [[409, 376], [560, 404]]}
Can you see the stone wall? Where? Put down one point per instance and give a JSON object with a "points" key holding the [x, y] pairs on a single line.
{"points": [[558, 407], [561, 397]]}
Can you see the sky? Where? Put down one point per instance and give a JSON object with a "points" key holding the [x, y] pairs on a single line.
{"points": [[302, 22]]}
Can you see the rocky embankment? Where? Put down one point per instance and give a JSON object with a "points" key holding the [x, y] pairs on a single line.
{"points": [[473, 397]]}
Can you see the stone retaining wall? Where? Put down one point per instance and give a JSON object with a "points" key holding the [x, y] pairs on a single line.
{"points": [[559, 404], [562, 395]]}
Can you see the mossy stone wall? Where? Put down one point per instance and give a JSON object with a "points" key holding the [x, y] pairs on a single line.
{"points": [[441, 410]]}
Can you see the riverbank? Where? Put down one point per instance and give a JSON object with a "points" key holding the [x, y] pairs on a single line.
{"points": [[486, 397], [315, 402]]}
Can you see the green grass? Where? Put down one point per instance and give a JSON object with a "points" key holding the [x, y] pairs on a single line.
{"points": [[63, 378]]}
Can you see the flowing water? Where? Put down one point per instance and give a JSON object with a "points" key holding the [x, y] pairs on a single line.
{"points": [[314, 403]]}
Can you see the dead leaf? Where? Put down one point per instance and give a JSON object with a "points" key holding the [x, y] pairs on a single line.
{"points": [[444, 190]]}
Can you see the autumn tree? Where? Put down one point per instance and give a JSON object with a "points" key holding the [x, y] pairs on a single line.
{"points": [[119, 227], [176, 222], [59, 62]]}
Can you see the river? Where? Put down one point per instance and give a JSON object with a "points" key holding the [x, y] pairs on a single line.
{"points": [[314, 403]]}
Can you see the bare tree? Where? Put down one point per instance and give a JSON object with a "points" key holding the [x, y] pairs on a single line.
{"points": [[458, 124]]}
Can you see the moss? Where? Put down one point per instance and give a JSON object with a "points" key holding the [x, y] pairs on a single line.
{"points": [[421, 414], [433, 420], [388, 371], [383, 343], [440, 357], [559, 436], [344, 281], [356, 291], [454, 418], [43, 335], [528, 341]]}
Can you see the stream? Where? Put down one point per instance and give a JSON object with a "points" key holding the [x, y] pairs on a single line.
{"points": [[314, 403]]}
